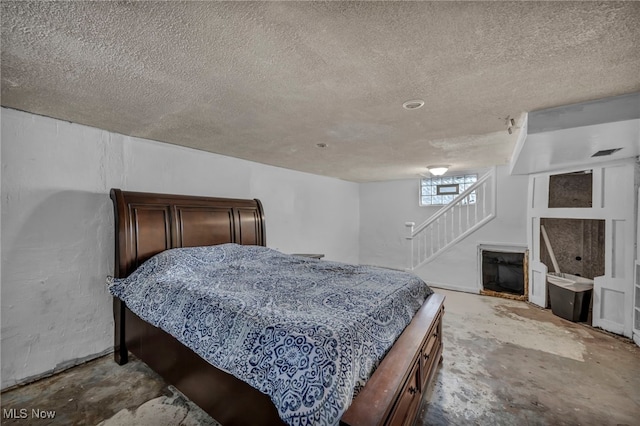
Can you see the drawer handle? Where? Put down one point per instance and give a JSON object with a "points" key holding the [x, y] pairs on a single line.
{"points": [[426, 356], [412, 390]]}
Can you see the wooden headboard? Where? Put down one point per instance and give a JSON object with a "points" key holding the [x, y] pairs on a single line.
{"points": [[147, 224]]}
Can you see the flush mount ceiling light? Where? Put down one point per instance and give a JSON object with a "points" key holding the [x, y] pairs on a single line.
{"points": [[414, 104], [437, 170]]}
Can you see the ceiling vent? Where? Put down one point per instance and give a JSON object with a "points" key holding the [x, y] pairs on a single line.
{"points": [[605, 152]]}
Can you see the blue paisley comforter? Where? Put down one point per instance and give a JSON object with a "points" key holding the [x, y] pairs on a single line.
{"points": [[308, 333]]}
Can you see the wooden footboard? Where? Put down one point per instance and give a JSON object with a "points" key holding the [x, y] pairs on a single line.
{"points": [[392, 395]]}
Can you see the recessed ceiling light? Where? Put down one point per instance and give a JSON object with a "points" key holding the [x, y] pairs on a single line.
{"points": [[414, 104]]}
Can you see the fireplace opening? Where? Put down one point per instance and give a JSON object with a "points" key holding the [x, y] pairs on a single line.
{"points": [[503, 272]]}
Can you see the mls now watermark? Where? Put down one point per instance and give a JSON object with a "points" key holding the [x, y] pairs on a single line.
{"points": [[23, 413]]}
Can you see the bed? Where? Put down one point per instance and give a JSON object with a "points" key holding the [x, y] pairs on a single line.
{"points": [[148, 224]]}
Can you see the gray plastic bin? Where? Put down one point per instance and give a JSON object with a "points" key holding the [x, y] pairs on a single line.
{"points": [[570, 296]]}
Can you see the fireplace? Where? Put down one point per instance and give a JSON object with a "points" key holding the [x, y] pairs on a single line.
{"points": [[503, 271]]}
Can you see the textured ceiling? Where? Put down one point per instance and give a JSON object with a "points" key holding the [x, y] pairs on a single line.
{"points": [[268, 81]]}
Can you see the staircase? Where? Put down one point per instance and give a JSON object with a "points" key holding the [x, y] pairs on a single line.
{"points": [[452, 223]]}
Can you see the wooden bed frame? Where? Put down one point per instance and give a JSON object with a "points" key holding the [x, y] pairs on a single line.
{"points": [[147, 224]]}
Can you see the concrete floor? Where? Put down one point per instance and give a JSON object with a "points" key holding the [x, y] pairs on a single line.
{"points": [[511, 363], [505, 363]]}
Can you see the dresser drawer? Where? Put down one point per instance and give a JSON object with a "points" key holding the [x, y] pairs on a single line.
{"points": [[430, 350], [393, 394], [408, 401]]}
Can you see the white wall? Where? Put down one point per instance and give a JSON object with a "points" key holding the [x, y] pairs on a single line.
{"points": [[614, 193], [57, 226], [384, 209], [386, 206]]}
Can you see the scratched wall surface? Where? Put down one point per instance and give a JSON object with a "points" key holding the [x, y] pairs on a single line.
{"points": [[57, 226]]}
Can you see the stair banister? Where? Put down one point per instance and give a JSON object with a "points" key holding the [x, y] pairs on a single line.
{"points": [[437, 235]]}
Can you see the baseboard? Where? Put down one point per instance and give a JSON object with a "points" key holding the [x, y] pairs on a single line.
{"points": [[453, 287], [58, 369]]}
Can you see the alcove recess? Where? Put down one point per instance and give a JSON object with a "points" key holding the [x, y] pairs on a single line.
{"points": [[578, 244]]}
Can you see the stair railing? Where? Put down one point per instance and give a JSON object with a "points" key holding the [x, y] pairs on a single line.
{"points": [[469, 211]]}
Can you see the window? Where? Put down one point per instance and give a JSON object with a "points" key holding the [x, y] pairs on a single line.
{"points": [[441, 190]]}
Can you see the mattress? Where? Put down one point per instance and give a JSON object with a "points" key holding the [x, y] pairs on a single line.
{"points": [[306, 332]]}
